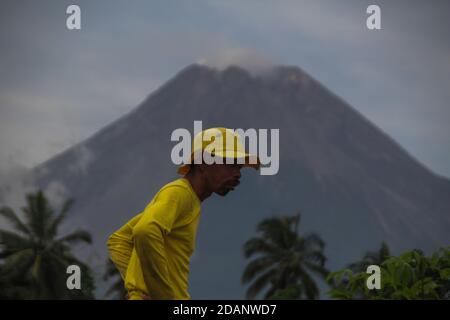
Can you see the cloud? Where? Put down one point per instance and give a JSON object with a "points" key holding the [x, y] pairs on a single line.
{"points": [[83, 158], [253, 61], [56, 193], [15, 183]]}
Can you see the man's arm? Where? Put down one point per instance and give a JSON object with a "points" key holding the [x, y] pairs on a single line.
{"points": [[149, 245], [120, 245], [149, 236]]}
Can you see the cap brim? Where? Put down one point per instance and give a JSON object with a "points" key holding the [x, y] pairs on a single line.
{"points": [[253, 160]]}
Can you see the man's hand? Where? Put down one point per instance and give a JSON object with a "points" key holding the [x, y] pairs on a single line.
{"points": [[144, 297]]}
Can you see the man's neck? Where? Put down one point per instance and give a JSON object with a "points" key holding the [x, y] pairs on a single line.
{"points": [[198, 186]]}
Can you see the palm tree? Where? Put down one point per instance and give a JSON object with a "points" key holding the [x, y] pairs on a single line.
{"points": [[371, 258], [35, 258], [117, 288], [285, 260], [12, 291]]}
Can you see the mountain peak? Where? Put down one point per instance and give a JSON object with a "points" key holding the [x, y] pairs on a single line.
{"points": [[269, 73]]}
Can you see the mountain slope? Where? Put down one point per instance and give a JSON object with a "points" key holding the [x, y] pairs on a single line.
{"points": [[354, 185]]}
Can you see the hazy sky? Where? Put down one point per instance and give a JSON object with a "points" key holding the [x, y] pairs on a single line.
{"points": [[58, 87]]}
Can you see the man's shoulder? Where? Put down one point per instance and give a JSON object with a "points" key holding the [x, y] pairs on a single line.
{"points": [[175, 184], [176, 190]]}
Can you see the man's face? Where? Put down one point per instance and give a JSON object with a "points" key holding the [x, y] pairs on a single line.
{"points": [[222, 178]]}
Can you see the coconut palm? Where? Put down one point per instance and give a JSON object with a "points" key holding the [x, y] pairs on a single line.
{"points": [[35, 258], [9, 290], [285, 261]]}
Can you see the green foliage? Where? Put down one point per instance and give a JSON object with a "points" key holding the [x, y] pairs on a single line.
{"points": [[34, 259], [371, 258], [408, 276], [284, 260], [292, 292], [117, 289]]}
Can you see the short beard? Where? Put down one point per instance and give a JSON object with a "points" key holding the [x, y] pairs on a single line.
{"points": [[224, 192]]}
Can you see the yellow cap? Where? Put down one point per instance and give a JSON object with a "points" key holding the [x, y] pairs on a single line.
{"points": [[214, 141]]}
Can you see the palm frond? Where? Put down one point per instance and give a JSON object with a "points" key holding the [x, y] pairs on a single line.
{"points": [[11, 216], [76, 237], [110, 271], [259, 245], [314, 240], [12, 242], [276, 230], [319, 269], [260, 283], [53, 228], [39, 213], [371, 257], [257, 266], [17, 263], [315, 256], [118, 288], [309, 285]]}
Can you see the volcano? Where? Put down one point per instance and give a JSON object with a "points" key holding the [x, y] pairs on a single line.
{"points": [[352, 183]]}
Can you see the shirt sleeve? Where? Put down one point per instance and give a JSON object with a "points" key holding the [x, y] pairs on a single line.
{"points": [[120, 246], [149, 234]]}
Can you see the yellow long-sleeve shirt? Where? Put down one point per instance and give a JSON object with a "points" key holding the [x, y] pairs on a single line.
{"points": [[152, 251]]}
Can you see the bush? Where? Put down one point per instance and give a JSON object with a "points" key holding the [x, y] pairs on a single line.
{"points": [[409, 276]]}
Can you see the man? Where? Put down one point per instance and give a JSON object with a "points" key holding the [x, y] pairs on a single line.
{"points": [[152, 251]]}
